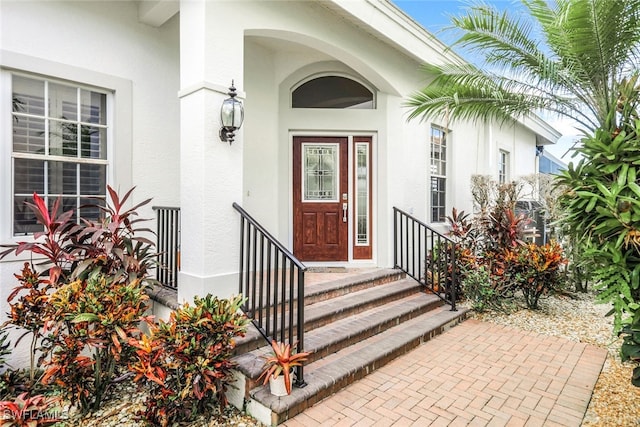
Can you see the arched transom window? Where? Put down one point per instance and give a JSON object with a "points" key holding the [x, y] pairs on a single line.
{"points": [[332, 92]]}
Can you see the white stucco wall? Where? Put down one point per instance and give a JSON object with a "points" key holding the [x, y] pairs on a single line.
{"points": [[165, 143], [102, 44], [106, 37], [280, 52]]}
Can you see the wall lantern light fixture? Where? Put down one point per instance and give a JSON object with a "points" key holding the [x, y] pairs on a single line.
{"points": [[231, 116]]}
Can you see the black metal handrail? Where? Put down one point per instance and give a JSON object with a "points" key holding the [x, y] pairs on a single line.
{"points": [[272, 280], [426, 255], [168, 245]]}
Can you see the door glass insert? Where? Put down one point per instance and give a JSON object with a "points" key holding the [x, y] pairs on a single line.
{"points": [[362, 193], [320, 174]]}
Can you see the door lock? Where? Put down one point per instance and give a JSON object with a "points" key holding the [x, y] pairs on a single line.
{"points": [[345, 206]]}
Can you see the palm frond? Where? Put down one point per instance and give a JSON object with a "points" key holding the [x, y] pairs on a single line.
{"points": [[467, 93], [564, 56]]}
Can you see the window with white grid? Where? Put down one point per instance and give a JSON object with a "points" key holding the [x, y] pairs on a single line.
{"points": [[60, 134], [438, 169], [503, 167]]}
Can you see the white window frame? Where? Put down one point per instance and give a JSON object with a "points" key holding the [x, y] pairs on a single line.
{"points": [[119, 170], [433, 173], [46, 157], [503, 167], [367, 177]]}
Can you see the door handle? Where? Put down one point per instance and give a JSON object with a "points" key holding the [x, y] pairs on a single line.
{"points": [[344, 212]]}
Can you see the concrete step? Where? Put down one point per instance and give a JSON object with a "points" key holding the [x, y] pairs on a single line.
{"points": [[337, 370], [353, 325], [317, 292], [335, 336], [342, 298]]}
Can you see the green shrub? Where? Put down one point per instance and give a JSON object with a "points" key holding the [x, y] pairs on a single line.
{"points": [[630, 350], [186, 362], [603, 204], [479, 291]]}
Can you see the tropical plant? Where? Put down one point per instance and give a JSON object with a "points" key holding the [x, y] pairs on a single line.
{"points": [[535, 270], [479, 290], [630, 349], [186, 361], [54, 244], [564, 57], [579, 270], [28, 311], [505, 231], [25, 411], [461, 228], [90, 323], [14, 382], [602, 201], [283, 359], [90, 297]]}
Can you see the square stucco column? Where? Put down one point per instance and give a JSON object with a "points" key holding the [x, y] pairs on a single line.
{"points": [[211, 56]]}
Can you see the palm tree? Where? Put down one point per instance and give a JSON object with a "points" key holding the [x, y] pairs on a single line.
{"points": [[565, 57]]}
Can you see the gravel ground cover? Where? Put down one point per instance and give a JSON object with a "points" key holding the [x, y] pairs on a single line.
{"points": [[615, 401]]}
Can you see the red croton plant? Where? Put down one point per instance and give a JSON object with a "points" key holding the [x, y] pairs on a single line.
{"points": [[88, 291], [25, 411], [185, 362]]}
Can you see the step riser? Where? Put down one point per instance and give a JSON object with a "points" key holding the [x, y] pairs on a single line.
{"points": [[354, 328], [353, 287], [310, 324], [341, 382], [314, 296], [353, 310], [319, 354], [374, 330]]}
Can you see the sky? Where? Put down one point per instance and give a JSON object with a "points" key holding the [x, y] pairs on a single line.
{"points": [[435, 15]]}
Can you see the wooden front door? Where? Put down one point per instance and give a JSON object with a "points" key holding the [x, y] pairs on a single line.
{"points": [[320, 198]]}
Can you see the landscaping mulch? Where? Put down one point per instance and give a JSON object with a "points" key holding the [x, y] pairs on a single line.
{"points": [[615, 401]]}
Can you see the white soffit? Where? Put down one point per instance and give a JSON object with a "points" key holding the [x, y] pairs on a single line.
{"points": [[157, 12], [385, 21]]}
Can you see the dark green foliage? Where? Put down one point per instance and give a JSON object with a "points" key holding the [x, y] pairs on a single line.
{"points": [[631, 344], [5, 348], [603, 204], [479, 290]]}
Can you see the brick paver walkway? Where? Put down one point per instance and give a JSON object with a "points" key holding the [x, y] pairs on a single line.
{"points": [[476, 374]]}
